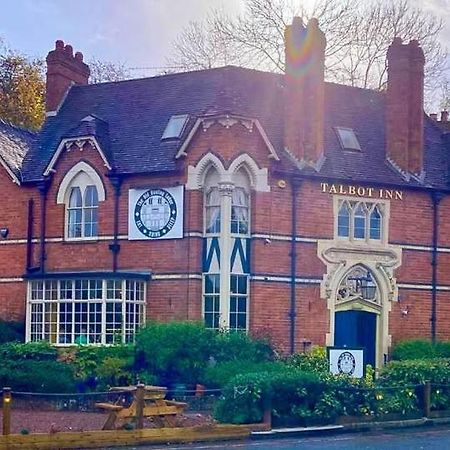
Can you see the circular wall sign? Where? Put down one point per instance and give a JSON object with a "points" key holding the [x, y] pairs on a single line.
{"points": [[155, 213], [346, 363]]}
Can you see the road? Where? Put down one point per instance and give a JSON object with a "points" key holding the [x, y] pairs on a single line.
{"points": [[406, 439]]}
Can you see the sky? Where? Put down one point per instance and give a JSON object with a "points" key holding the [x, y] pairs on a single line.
{"points": [[137, 33]]}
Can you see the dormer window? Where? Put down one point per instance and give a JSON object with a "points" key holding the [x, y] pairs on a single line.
{"points": [[348, 139], [175, 127]]}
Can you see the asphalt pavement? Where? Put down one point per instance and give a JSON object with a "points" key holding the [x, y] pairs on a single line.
{"points": [[404, 439]]}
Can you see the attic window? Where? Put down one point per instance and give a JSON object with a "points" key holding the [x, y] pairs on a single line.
{"points": [[348, 139], [175, 127]]}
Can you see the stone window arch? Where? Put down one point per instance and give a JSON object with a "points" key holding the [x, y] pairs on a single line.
{"points": [[80, 191]]}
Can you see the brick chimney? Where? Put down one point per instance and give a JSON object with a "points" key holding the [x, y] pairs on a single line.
{"points": [[404, 105], [63, 69], [304, 90]]}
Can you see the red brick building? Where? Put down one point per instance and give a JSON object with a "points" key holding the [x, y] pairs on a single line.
{"points": [[311, 211]]}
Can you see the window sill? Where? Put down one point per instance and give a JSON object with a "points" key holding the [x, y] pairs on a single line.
{"points": [[81, 240]]}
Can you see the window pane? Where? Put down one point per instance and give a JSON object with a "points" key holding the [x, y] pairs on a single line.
{"points": [[344, 221], [75, 198], [239, 211], [375, 224], [91, 196], [74, 222], [359, 231]]}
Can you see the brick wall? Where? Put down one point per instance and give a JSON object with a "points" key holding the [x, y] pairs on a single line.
{"points": [[180, 298]]}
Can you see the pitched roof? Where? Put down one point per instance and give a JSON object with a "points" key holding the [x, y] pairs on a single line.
{"points": [[14, 144], [130, 116]]}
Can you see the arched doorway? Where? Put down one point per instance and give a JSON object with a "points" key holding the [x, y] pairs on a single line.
{"points": [[357, 317]]}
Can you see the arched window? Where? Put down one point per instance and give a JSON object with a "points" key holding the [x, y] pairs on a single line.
{"points": [[239, 211], [359, 224], [226, 286], [212, 211], [344, 221], [358, 284], [81, 190], [375, 224]]}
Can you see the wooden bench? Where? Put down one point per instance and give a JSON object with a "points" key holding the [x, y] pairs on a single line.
{"points": [[148, 401]]}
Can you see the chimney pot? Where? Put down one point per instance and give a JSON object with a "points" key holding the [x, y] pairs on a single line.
{"points": [[444, 116], [63, 70], [68, 49]]}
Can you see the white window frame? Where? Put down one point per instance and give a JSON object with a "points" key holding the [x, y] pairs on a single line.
{"points": [[80, 175], [127, 329], [368, 206]]}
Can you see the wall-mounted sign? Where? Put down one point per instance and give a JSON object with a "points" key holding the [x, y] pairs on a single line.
{"points": [[362, 191], [346, 361], [155, 213]]}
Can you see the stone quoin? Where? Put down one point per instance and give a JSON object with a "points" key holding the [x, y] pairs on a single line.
{"points": [[229, 196]]}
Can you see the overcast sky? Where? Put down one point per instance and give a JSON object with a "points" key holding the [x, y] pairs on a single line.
{"points": [[137, 33]]}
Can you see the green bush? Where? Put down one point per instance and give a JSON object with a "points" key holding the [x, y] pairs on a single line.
{"points": [[294, 395], [37, 376], [413, 349], [101, 367], [239, 346], [314, 360], [218, 375], [176, 352], [11, 331], [414, 372], [36, 351]]}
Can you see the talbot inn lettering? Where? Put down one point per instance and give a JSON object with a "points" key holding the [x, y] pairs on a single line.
{"points": [[360, 191]]}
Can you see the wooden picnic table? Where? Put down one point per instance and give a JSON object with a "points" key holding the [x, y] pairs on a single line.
{"points": [[148, 401]]}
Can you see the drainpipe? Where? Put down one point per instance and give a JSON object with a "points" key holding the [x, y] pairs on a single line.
{"points": [[436, 197], [43, 187], [116, 182], [30, 235], [293, 254]]}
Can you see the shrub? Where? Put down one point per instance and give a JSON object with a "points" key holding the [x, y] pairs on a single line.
{"points": [[413, 349], [37, 376], [36, 351], [11, 331], [313, 361], [239, 346], [217, 376], [414, 372], [293, 394], [176, 351], [101, 367]]}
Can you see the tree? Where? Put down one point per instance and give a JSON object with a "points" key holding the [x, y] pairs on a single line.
{"points": [[22, 86], [358, 36], [103, 71], [22, 90]]}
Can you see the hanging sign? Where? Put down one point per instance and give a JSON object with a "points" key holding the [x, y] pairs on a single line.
{"points": [[155, 213], [346, 361]]}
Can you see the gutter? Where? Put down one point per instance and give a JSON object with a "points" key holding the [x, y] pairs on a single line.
{"points": [[43, 190], [295, 185], [116, 182], [436, 197]]}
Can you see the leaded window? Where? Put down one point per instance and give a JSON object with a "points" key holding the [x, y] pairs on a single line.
{"points": [[360, 220], [82, 212], [86, 311], [359, 284], [211, 296], [212, 211], [238, 301], [239, 211]]}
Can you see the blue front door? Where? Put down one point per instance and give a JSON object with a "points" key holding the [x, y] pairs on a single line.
{"points": [[357, 329]]}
